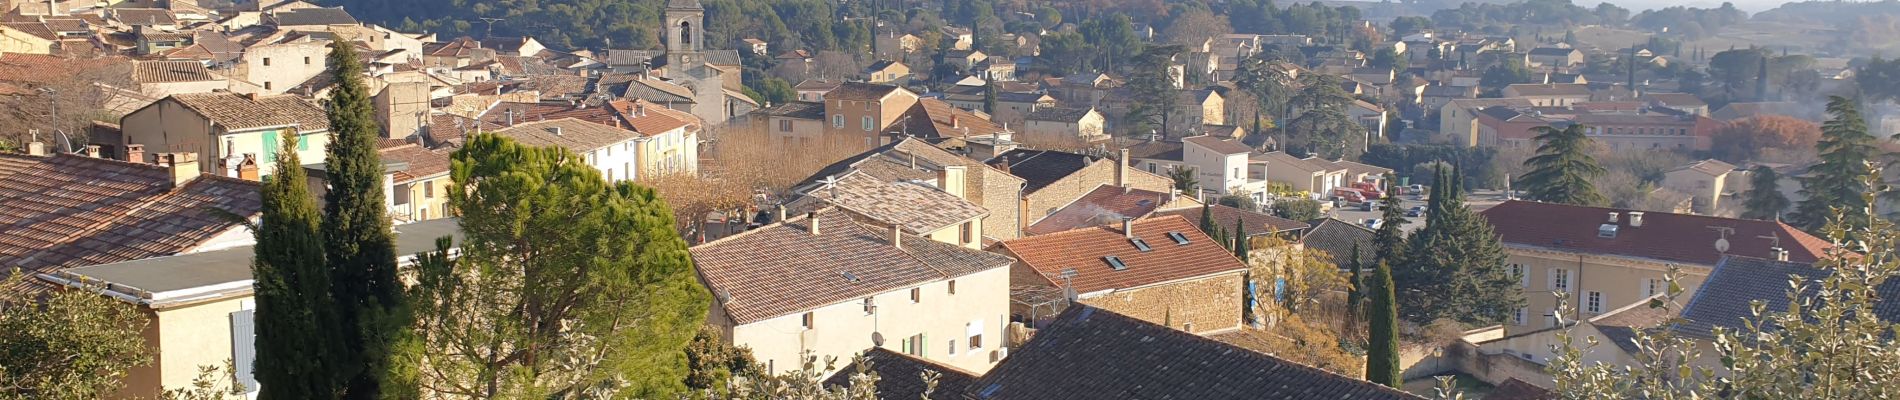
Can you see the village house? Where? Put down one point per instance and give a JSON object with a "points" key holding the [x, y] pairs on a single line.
{"points": [[1704, 181], [830, 286], [793, 124], [14, 39], [993, 190], [1549, 94], [813, 90], [415, 178], [887, 72], [1555, 57], [618, 152], [1224, 166], [1104, 206], [863, 110], [274, 68], [1057, 126], [227, 128], [1162, 270], [1313, 175], [937, 212], [200, 307], [1604, 258], [1054, 179]]}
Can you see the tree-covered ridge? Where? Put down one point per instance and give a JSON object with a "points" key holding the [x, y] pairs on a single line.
{"points": [[626, 24]]}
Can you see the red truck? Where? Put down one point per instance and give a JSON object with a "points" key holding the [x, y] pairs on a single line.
{"points": [[1368, 189], [1351, 195]]}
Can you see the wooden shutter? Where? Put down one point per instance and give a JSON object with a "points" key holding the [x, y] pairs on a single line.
{"points": [[243, 354]]}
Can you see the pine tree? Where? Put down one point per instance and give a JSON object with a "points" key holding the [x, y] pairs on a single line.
{"points": [[358, 245], [297, 352], [989, 98], [1389, 241], [1240, 241], [1455, 267], [1382, 348], [606, 265], [1837, 181], [1563, 169], [1764, 200]]}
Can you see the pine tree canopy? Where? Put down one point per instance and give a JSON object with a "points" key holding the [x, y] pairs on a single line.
{"points": [[1841, 176], [1764, 200], [1563, 169]]}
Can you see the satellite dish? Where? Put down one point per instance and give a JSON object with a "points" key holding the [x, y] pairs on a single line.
{"points": [[877, 338], [1721, 245]]}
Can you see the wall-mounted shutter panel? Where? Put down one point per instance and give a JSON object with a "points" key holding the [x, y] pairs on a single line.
{"points": [[242, 352]]}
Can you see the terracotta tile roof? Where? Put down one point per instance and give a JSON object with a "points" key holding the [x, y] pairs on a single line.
{"points": [[1514, 389], [555, 85], [1711, 167], [452, 129], [1337, 238], [1039, 168], [654, 89], [860, 91], [37, 29], [1090, 353], [900, 375], [932, 118], [919, 207], [13, 163], [1663, 236], [1228, 146], [1723, 299], [817, 84], [238, 112], [1253, 223], [648, 118], [67, 210], [143, 16], [32, 68], [421, 162], [1103, 206], [170, 71], [1083, 250], [568, 133], [783, 268]]}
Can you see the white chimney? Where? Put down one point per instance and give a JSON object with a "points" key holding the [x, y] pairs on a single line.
{"points": [[811, 222], [1613, 218], [897, 236], [1128, 228], [1636, 219], [1781, 254]]}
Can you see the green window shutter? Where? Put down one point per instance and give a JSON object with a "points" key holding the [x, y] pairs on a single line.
{"points": [[271, 143], [303, 142]]}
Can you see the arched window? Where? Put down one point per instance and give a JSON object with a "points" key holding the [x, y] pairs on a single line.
{"points": [[686, 34]]}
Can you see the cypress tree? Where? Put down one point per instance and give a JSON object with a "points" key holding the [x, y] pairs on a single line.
{"points": [[1356, 293], [1382, 348], [1389, 240], [358, 245], [1839, 179], [1764, 200], [297, 356], [1207, 219], [1563, 169], [1455, 268], [1240, 240]]}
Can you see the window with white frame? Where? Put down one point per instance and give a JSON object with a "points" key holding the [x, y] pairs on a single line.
{"points": [[1519, 318], [1559, 279], [1651, 287], [1593, 302], [866, 122], [1523, 278], [837, 121], [974, 331]]}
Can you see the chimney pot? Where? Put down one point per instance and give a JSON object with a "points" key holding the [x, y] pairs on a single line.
{"points": [[1128, 228], [92, 151], [1636, 219], [1613, 217], [897, 236], [811, 222], [135, 153], [1781, 254]]}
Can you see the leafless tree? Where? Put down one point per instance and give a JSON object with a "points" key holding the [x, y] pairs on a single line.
{"points": [[63, 95]]}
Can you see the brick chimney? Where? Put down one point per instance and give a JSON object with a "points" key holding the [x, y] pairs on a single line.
{"points": [[247, 169], [183, 166], [135, 153], [92, 150], [1121, 168]]}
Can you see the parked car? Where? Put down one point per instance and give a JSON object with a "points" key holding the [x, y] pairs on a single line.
{"points": [[1372, 223], [1416, 211], [1368, 206]]}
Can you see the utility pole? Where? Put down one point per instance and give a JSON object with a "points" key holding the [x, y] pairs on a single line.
{"points": [[489, 30]]}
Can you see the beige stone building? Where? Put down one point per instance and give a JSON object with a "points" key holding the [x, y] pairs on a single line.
{"points": [[1549, 94], [909, 168], [200, 308], [224, 127], [1053, 179], [1458, 119], [831, 285], [1605, 258], [1058, 126], [1705, 181], [1162, 270], [157, 79], [938, 210], [275, 68], [16, 40], [863, 110]]}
